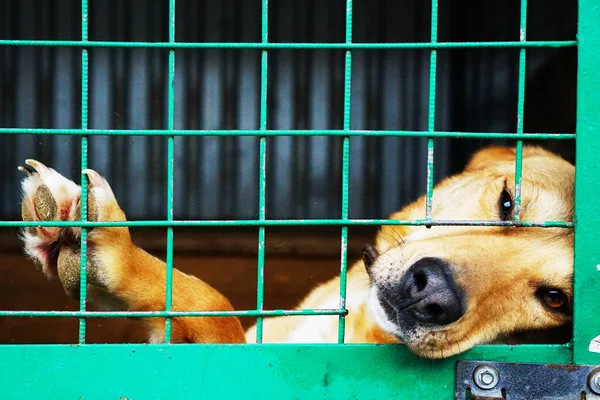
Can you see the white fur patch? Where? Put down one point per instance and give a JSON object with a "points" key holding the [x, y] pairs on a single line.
{"points": [[156, 337], [380, 315], [30, 184], [317, 329], [34, 246]]}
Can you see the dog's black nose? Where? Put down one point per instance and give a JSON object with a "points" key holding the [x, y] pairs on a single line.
{"points": [[431, 292]]}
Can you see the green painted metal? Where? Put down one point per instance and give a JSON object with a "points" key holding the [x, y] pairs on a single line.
{"points": [[306, 371], [84, 162], [262, 171], [431, 112], [587, 182], [239, 372], [170, 168], [520, 113], [345, 171], [290, 222], [279, 132], [315, 46], [144, 314]]}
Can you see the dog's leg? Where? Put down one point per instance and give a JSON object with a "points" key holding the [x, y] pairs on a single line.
{"points": [[120, 275]]}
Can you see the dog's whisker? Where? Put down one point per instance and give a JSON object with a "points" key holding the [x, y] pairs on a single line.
{"points": [[393, 242], [400, 239]]}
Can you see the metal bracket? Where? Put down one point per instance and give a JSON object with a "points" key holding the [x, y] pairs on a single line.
{"points": [[514, 381]]}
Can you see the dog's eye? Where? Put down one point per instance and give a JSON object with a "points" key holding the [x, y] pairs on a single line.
{"points": [[554, 299], [505, 204]]}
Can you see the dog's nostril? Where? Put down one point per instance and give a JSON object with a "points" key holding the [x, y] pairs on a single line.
{"points": [[431, 293], [420, 279], [435, 310]]}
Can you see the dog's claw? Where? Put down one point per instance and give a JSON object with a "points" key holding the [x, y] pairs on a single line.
{"points": [[24, 170], [94, 177], [37, 166]]}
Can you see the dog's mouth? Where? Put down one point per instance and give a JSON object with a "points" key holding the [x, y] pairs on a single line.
{"points": [[426, 341], [387, 316]]}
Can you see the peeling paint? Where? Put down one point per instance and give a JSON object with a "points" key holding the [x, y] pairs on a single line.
{"points": [[595, 345]]}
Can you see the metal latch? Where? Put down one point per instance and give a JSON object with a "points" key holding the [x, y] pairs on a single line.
{"points": [[514, 381]]}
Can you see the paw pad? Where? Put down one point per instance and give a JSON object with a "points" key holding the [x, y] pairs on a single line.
{"points": [[49, 196], [69, 262], [45, 205]]}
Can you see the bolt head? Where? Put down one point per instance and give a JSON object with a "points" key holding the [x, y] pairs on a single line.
{"points": [[486, 377], [594, 381]]}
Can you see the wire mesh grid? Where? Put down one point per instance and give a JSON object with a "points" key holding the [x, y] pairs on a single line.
{"points": [[344, 222]]}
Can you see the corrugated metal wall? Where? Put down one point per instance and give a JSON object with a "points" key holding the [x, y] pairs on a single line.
{"points": [[219, 89]]}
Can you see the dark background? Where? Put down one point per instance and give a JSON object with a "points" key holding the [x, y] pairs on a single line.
{"points": [[217, 178]]}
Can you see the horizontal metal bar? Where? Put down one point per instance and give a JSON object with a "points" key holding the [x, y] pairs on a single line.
{"points": [[283, 132], [261, 371], [145, 314], [315, 46], [285, 222]]}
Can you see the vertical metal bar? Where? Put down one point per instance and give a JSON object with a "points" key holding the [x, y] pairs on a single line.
{"points": [[587, 182], [345, 170], [262, 172], [302, 62], [170, 165], [520, 112], [431, 111], [84, 159]]}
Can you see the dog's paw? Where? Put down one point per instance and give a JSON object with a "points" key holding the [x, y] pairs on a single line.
{"points": [[102, 204], [47, 196], [103, 242]]}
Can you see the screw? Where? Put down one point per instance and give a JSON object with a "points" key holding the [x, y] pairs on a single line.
{"points": [[594, 381], [486, 377]]}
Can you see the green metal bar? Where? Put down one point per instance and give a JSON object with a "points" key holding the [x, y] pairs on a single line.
{"points": [[431, 112], [271, 46], [287, 222], [518, 178], [520, 113], [345, 171], [198, 371], [587, 182], [170, 166], [283, 132], [262, 172], [84, 162], [162, 314]]}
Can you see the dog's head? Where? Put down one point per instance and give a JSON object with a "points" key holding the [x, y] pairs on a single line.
{"points": [[445, 289]]}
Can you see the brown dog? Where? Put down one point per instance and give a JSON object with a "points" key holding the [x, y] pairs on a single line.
{"points": [[121, 276], [440, 290], [445, 289]]}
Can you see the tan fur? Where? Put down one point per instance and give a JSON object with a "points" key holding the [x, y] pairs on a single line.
{"points": [[498, 267], [120, 274]]}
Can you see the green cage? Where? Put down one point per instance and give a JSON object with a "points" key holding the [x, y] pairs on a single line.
{"points": [[132, 371]]}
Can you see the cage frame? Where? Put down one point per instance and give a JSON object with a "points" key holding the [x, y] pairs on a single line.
{"points": [[135, 371]]}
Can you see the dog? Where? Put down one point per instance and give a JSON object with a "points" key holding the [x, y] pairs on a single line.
{"points": [[439, 290]]}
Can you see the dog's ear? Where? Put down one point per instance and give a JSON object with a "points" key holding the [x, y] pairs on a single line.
{"points": [[493, 154]]}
